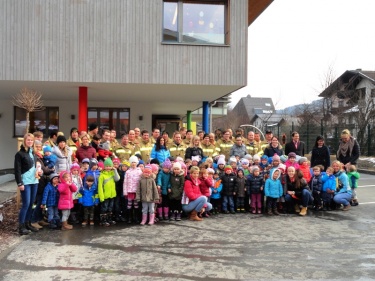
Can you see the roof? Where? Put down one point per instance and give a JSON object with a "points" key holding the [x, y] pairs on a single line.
{"points": [[256, 7], [257, 105]]}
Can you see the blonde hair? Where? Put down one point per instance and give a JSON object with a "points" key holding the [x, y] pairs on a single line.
{"points": [[194, 169], [194, 138], [352, 168], [345, 132], [27, 135], [330, 169]]}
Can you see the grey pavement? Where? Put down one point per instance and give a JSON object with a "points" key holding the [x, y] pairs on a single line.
{"points": [[8, 187], [332, 245]]}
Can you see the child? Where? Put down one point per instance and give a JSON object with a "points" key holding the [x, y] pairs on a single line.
{"points": [[50, 200], [49, 159], [147, 193], [93, 171], [316, 187], [206, 183], [255, 185], [120, 202], [292, 161], [305, 169], [85, 166], [177, 181], [107, 192], [273, 190], [88, 197], [221, 165], [353, 177], [66, 188], [328, 188], [264, 166], [245, 167], [233, 164], [163, 183], [229, 182], [216, 188], [75, 171], [131, 179], [141, 165], [241, 191], [100, 166], [256, 160]]}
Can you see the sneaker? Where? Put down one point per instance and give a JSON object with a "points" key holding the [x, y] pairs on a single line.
{"points": [[253, 211], [259, 211]]}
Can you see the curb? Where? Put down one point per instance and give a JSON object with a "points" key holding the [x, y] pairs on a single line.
{"points": [[368, 172]]}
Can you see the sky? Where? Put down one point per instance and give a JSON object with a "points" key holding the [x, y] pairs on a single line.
{"points": [[294, 43]]}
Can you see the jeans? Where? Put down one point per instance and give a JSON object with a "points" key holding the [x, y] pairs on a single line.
{"points": [[28, 197], [148, 207], [53, 213], [107, 206], [37, 214], [305, 200], [226, 199], [343, 198], [197, 205]]}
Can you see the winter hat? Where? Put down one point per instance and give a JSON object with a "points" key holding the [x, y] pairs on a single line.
{"points": [[74, 166], [101, 164], [147, 168], [154, 168], [283, 158], [196, 158], [167, 164], [125, 163], [179, 159], [240, 170], [141, 162], [228, 167], [248, 157], [47, 148], [177, 165], [53, 175], [256, 157], [210, 171], [244, 162], [60, 139], [254, 168], [133, 159], [302, 159], [108, 162], [92, 126], [292, 155], [221, 160], [232, 159], [276, 158], [93, 162], [37, 142], [282, 168], [264, 157], [85, 160], [154, 161], [74, 129], [116, 160]]}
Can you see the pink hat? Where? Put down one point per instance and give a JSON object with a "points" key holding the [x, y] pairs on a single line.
{"points": [[75, 166], [101, 164]]}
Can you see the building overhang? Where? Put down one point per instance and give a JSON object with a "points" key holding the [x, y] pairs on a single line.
{"points": [[256, 7]]}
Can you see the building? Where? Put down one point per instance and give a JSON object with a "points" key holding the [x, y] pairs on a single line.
{"points": [[122, 64]]}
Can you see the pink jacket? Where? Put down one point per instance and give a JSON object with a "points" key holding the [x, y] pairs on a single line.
{"points": [[66, 193], [289, 164], [131, 180]]}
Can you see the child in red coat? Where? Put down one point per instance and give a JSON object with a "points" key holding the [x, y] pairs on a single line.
{"points": [[66, 188]]}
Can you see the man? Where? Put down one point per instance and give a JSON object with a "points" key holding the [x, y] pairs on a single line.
{"points": [[267, 141], [183, 132], [93, 130], [132, 138], [189, 136], [38, 135], [124, 150], [209, 149], [106, 140], [52, 138], [295, 145], [177, 148], [238, 149], [225, 144], [167, 141], [138, 136], [252, 147], [212, 138], [239, 131], [113, 140], [257, 137], [155, 135], [144, 147]]}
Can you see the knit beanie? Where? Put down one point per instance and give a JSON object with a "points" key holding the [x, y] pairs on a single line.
{"points": [[232, 159], [196, 158], [282, 168], [140, 162], [147, 168], [244, 161], [283, 158], [60, 139], [256, 157], [228, 167], [177, 165], [92, 126], [210, 171], [154, 168], [133, 159], [37, 142], [53, 175], [47, 148], [74, 129], [292, 155], [85, 160], [101, 164], [248, 157], [167, 164], [116, 160], [75, 166], [93, 161], [254, 168], [302, 159], [276, 158], [108, 162], [264, 157], [125, 163], [221, 160]]}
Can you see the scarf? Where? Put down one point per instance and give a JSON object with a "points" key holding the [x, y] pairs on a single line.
{"points": [[345, 147]]}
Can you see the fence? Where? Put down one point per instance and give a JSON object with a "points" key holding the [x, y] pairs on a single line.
{"points": [[309, 131]]}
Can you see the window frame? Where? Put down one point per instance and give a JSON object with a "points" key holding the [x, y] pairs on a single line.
{"points": [[110, 109]]}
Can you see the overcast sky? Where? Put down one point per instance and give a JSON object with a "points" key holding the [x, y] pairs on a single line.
{"points": [[293, 43]]}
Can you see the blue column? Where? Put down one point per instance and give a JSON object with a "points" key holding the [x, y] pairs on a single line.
{"points": [[205, 117]]}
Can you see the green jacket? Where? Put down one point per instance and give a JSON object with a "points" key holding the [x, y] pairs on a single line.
{"points": [[107, 184]]}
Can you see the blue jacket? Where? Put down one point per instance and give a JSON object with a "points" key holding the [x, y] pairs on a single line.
{"points": [[273, 188], [343, 183], [95, 174], [164, 182], [161, 155], [88, 196], [50, 195], [218, 187], [329, 182], [316, 183]]}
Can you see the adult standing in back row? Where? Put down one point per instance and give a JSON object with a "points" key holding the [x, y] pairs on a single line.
{"points": [[295, 145]]}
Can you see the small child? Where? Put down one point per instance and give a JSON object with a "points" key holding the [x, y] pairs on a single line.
{"points": [[256, 160], [221, 165], [177, 181], [120, 202], [229, 182], [216, 188], [328, 189], [88, 197], [233, 164], [85, 165], [241, 191], [305, 169], [49, 159], [93, 170], [100, 166], [141, 165], [147, 193], [66, 188], [255, 183], [206, 183], [273, 190], [107, 192], [75, 213], [50, 200], [353, 177], [292, 161], [163, 183], [316, 186], [245, 167]]}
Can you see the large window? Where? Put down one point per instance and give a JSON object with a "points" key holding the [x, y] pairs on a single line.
{"points": [[195, 22], [110, 118], [44, 120]]}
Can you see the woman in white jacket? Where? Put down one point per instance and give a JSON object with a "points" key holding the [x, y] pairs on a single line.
{"points": [[63, 154]]}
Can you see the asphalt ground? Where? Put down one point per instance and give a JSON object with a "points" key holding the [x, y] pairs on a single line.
{"points": [[333, 245]]}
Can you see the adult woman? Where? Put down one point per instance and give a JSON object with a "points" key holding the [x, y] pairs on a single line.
{"points": [[348, 152], [85, 150], [194, 149], [193, 201], [27, 180], [73, 142], [63, 154], [273, 148], [297, 191], [344, 195], [160, 151], [320, 154]]}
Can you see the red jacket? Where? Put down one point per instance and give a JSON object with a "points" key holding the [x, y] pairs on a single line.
{"points": [[192, 190], [205, 186], [66, 190]]}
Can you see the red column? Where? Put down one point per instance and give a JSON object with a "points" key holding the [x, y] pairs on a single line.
{"points": [[82, 109]]}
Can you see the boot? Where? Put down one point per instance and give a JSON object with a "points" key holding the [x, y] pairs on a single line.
{"points": [[36, 225], [53, 224], [58, 223], [194, 216], [103, 220], [166, 213], [144, 219], [296, 208], [130, 216], [275, 212], [84, 223], [303, 211], [269, 212], [178, 216], [160, 213], [66, 226], [152, 218], [22, 230], [136, 216], [30, 227], [110, 219]]}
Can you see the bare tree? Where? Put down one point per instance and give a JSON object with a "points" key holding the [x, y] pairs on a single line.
{"points": [[30, 100]]}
